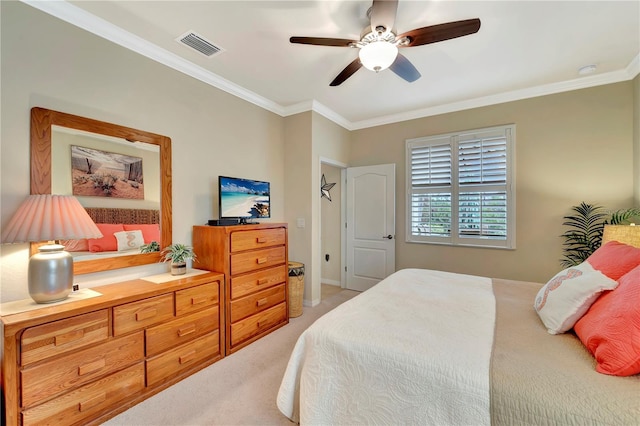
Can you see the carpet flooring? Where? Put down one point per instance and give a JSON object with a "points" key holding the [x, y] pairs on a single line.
{"points": [[240, 389]]}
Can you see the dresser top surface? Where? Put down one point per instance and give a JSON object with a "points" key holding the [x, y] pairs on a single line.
{"points": [[110, 295], [248, 227]]}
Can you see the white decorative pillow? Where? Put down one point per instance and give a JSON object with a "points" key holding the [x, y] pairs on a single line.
{"points": [[562, 301], [129, 240]]}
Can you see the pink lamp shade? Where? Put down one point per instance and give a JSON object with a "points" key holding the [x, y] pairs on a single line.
{"points": [[45, 218], [49, 217]]}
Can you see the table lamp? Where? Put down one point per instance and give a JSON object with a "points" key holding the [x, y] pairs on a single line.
{"points": [[49, 217]]}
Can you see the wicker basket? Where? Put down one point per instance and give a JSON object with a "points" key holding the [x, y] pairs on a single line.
{"points": [[296, 288]]}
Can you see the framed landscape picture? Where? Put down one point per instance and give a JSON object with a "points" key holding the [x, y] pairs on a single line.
{"points": [[96, 173]]}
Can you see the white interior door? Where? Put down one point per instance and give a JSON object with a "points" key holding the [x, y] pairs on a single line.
{"points": [[371, 246]]}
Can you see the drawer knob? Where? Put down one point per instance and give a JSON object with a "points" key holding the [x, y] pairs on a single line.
{"points": [[91, 367], [146, 314], [262, 260], [92, 402], [263, 281], [198, 300], [187, 357], [261, 302], [71, 336], [261, 240], [185, 331]]}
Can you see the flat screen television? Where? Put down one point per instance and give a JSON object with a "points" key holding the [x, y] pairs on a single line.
{"points": [[243, 199]]}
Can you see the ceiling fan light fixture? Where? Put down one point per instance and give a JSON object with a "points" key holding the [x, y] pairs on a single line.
{"points": [[378, 55]]}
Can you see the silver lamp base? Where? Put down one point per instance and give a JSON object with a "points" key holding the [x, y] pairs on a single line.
{"points": [[50, 274]]}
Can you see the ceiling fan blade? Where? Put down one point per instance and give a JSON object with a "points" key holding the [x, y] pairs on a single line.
{"points": [[405, 69], [323, 41], [441, 32], [347, 72], [383, 14]]}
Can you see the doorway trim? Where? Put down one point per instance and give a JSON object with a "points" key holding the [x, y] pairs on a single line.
{"points": [[343, 215]]}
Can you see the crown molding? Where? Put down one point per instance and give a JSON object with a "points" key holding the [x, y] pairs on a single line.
{"points": [[331, 115], [630, 72], [98, 26]]}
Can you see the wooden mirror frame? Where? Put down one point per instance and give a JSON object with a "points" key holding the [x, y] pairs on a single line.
{"points": [[41, 121]]}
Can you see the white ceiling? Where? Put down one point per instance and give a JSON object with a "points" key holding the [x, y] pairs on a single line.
{"points": [[523, 49]]}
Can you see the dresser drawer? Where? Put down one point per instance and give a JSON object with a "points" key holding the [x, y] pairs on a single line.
{"points": [[138, 315], [54, 377], [196, 298], [182, 358], [250, 283], [88, 400], [62, 336], [257, 259], [181, 330], [252, 304], [248, 240], [256, 324]]}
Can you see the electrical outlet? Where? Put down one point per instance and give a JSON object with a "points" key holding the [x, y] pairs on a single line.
{"points": [[300, 222]]}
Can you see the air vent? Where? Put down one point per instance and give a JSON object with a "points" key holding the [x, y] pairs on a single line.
{"points": [[199, 43]]}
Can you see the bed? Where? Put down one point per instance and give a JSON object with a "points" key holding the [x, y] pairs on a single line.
{"points": [[117, 225], [437, 348]]}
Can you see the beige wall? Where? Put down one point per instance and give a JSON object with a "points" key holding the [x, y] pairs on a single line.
{"points": [[46, 62], [570, 147], [309, 139], [299, 190], [331, 227]]}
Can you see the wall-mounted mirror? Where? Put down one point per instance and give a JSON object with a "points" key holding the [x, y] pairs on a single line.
{"points": [[58, 140]]}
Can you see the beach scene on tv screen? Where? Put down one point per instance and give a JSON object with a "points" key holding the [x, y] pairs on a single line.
{"points": [[243, 198]]}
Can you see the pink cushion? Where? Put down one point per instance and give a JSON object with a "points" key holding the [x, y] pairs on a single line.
{"points": [[108, 241], [615, 259], [611, 328], [75, 245], [149, 232]]}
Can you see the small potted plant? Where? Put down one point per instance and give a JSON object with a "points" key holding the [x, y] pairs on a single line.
{"points": [[178, 254], [153, 246]]}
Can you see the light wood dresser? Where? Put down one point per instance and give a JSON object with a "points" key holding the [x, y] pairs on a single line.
{"points": [[254, 261], [84, 361]]}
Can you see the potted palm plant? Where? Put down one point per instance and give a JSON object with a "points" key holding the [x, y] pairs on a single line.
{"points": [[586, 226], [178, 254]]}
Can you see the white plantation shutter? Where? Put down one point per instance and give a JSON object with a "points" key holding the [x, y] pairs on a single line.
{"points": [[482, 161], [431, 214], [431, 165], [431, 177], [460, 188]]}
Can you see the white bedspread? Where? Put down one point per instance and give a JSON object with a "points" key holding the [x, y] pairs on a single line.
{"points": [[414, 349]]}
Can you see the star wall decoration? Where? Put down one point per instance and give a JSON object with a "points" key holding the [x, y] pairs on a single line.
{"points": [[325, 187]]}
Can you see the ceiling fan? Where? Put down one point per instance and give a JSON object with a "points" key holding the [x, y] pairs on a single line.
{"points": [[379, 43]]}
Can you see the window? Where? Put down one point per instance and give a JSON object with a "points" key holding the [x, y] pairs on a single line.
{"points": [[460, 188]]}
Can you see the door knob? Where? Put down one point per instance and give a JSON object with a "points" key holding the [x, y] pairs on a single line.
{"points": [[389, 237]]}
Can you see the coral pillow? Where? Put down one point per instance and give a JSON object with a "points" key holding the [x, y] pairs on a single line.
{"points": [[568, 295], [611, 328], [615, 259], [108, 241], [149, 232]]}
